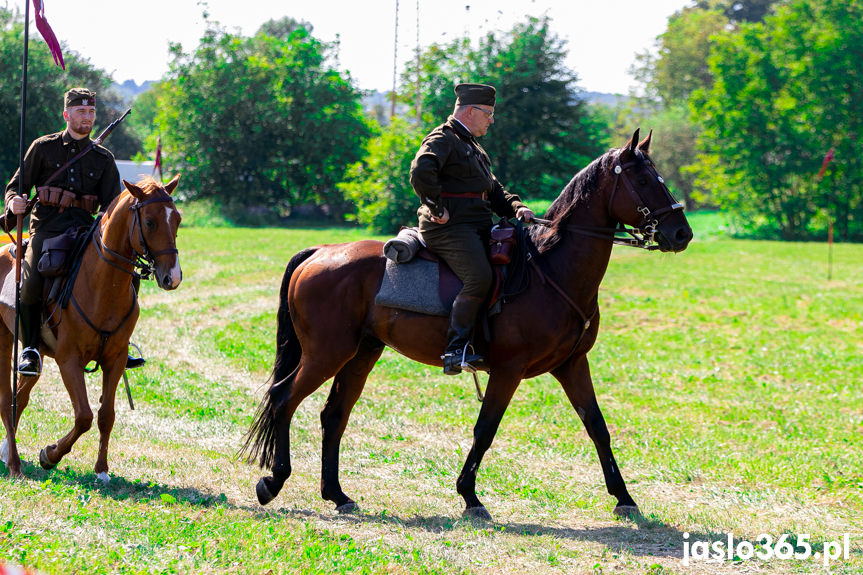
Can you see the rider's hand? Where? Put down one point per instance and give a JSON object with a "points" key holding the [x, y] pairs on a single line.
{"points": [[443, 219], [18, 205], [525, 215]]}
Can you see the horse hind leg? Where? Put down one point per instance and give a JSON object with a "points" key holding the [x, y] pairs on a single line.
{"points": [[107, 413], [270, 434], [347, 387], [9, 448]]}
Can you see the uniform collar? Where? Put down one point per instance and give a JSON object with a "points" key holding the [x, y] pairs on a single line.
{"points": [[68, 139], [459, 128]]}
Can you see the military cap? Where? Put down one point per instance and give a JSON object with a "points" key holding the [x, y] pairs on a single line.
{"points": [[474, 94], [80, 97]]}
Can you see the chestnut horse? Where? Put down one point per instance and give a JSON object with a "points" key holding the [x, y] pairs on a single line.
{"points": [[547, 329], [138, 231]]}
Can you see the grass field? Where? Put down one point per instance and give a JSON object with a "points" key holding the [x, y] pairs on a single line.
{"points": [[730, 377]]}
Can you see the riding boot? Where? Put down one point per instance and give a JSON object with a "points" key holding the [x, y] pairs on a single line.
{"points": [[30, 362], [133, 362], [459, 353]]}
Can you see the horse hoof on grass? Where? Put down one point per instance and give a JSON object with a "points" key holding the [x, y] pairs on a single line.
{"points": [[480, 513], [264, 495], [103, 478], [627, 511], [349, 507], [43, 461]]}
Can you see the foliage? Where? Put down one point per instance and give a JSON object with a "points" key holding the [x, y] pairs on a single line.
{"points": [[261, 122], [379, 186], [543, 133], [740, 10], [786, 90], [46, 84]]}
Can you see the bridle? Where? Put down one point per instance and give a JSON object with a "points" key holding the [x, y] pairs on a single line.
{"points": [[644, 234], [144, 261]]}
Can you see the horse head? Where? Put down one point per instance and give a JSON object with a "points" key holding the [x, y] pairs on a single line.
{"points": [[640, 198], [153, 232]]}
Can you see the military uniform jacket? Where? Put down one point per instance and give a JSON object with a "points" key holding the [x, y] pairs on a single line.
{"points": [[93, 174], [449, 163]]}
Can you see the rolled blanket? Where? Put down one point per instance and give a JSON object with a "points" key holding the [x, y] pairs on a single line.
{"points": [[404, 246]]}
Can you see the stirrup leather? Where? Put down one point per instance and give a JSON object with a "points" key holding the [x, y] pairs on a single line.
{"points": [[26, 371]]}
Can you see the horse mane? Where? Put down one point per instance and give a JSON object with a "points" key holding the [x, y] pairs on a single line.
{"points": [[577, 192], [148, 184]]}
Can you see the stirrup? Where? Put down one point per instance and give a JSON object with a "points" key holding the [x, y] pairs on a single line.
{"points": [[136, 361], [38, 361]]}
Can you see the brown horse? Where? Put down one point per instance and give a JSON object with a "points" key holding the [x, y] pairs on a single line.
{"points": [[137, 232], [547, 329]]}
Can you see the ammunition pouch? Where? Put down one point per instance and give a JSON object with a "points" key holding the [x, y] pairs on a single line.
{"points": [[502, 243], [54, 196]]}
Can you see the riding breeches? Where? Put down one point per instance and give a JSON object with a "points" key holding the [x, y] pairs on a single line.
{"points": [[463, 248], [31, 279]]}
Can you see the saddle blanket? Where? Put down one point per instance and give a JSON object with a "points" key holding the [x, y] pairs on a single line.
{"points": [[412, 286]]}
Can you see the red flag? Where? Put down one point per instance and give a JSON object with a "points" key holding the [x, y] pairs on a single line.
{"points": [[158, 163], [48, 33], [826, 161]]}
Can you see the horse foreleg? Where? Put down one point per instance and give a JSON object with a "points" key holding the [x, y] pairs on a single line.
{"points": [[105, 420], [575, 378], [347, 387], [73, 379], [498, 394], [9, 448]]}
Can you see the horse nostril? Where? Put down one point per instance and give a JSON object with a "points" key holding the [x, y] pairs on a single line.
{"points": [[683, 235]]}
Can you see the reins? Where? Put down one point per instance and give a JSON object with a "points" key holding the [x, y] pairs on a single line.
{"points": [[140, 261]]}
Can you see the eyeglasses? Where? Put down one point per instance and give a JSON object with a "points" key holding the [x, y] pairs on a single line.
{"points": [[489, 114]]}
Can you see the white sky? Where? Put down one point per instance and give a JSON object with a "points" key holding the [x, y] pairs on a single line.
{"points": [[130, 40]]}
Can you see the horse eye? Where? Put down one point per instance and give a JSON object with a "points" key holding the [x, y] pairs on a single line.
{"points": [[149, 224]]}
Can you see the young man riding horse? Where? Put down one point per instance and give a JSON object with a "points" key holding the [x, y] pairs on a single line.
{"points": [[451, 174], [68, 201]]}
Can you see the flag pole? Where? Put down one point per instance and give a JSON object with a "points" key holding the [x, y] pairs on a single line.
{"points": [[20, 219]]}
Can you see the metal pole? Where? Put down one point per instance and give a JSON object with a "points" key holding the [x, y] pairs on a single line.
{"points": [[20, 222], [829, 249]]}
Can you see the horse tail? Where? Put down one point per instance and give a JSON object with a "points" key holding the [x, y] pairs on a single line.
{"points": [[260, 440]]}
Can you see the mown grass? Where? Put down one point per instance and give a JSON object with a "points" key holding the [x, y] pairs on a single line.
{"points": [[729, 375]]}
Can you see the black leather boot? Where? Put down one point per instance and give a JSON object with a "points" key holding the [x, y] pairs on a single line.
{"points": [[459, 353], [30, 362]]}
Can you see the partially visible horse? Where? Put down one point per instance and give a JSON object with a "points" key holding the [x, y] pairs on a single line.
{"points": [[138, 231], [547, 329]]}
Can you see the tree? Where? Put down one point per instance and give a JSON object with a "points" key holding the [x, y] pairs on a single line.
{"points": [[261, 121], [379, 186], [785, 91], [543, 132], [46, 84]]}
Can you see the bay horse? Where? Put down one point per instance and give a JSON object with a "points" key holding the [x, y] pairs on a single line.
{"points": [[138, 231], [547, 329]]}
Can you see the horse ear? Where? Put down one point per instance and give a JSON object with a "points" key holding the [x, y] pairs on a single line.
{"points": [[644, 146], [134, 190], [633, 141], [172, 185]]}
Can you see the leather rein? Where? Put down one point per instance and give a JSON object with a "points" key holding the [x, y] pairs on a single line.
{"points": [[145, 262]]}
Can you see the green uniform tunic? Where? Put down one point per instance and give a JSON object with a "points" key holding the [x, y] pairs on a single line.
{"points": [[451, 170], [94, 174]]}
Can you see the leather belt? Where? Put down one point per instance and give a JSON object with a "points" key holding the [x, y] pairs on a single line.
{"points": [[53, 196], [464, 195]]}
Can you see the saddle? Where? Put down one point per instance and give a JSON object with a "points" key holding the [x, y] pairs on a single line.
{"points": [[414, 274]]}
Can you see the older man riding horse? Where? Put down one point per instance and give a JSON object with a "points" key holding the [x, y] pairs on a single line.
{"points": [[547, 329]]}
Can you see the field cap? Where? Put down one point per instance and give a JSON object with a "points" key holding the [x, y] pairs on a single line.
{"points": [[80, 97], [474, 94]]}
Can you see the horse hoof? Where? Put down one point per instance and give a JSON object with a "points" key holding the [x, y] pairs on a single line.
{"points": [[480, 513], [264, 495], [627, 511], [103, 477], [349, 507], [43, 461]]}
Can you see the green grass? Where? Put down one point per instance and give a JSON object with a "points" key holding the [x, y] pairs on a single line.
{"points": [[729, 376]]}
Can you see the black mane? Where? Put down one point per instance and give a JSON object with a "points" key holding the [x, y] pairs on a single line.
{"points": [[576, 192]]}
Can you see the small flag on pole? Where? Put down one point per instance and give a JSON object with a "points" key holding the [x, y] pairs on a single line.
{"points": [[157, 165], [48, 34], [826, 161]]}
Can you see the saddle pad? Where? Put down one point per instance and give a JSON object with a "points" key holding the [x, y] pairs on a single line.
{"points": [[7, 293], [412, 286]]}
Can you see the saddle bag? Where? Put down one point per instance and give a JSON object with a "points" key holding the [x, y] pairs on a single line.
{"points": [[502, 242], [54, 260]]}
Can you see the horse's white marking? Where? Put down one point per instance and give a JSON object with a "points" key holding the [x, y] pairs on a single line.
{"points": [[104, 478], [176, 274], [4, 450]]}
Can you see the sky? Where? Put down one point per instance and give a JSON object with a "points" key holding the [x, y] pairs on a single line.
{"points": [[130, 40]]}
